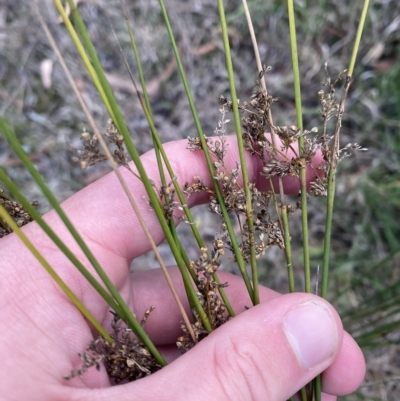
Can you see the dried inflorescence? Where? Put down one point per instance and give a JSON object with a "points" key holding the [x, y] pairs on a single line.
{"points": [[267, 230], [92, 154], [330, 107], [185, 342], [125, 360], [16, 211], [166, 195], [208, 292], [278, 160]]}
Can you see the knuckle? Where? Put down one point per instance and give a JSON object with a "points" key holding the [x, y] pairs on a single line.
{"points": [[239, 370]]}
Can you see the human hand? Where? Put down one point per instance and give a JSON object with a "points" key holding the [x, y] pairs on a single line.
{"points": [[266, 353]]}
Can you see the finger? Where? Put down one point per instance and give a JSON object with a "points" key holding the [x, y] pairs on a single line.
{"points": [[103, 214], [163, 325], [267, 353], [341, 378], [328, 397]]}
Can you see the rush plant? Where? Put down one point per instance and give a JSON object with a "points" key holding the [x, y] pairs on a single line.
{"points": [[251, 221]]}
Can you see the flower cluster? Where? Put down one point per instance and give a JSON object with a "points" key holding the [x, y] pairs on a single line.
{"points": [[126, 359], [16, 211]]}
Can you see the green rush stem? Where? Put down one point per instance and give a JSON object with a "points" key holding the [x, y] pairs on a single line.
{"points": [[218, 193], [283, 219], [102, 85], [109, 101], [144, 89], [358, 38], [126, 312], [97, 80], [299, 120], [304, 221], [303, 173], [242, 157], [303, 394], [333, 158], [295, 65], [154, 133], [318, 388], [183, 253], [74, 299], [333, 168], [117, 172], [288, 249], [160, 149], [328, 230], [53, 236]]}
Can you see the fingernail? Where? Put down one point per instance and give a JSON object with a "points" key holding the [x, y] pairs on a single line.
{"points": [[312, 333]]}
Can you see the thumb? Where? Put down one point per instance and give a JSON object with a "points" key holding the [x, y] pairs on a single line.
{"points": [[267, 353]]}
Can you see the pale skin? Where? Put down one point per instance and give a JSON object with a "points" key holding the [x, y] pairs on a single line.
{"points": [[249, 358]]}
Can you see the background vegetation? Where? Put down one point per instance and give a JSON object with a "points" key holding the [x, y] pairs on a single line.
{"points": [[46, 117]]}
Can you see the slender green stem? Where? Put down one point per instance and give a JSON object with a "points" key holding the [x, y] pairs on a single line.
{"points": [[296, 69], [333, 168], [328, 230], [126, 312], [358, 38], [199, 129], [304, 222], [74, 299], [284, 227], [95, 78], [334, 152], [288, 249], [154, 133], [183, 253], [158, 147], [53, 236], [118, 174], [144, 89], [242, 156], [303, 173], [303, 394], [97, 74], [299, 120], [318, 388]]}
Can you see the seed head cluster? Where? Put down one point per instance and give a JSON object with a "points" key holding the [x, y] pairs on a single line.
{"points": [[126, 359], [16, 211], [207, 292], [92, 154]]}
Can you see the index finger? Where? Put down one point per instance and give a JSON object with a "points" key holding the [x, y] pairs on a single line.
{"points": [[102, 213]]}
